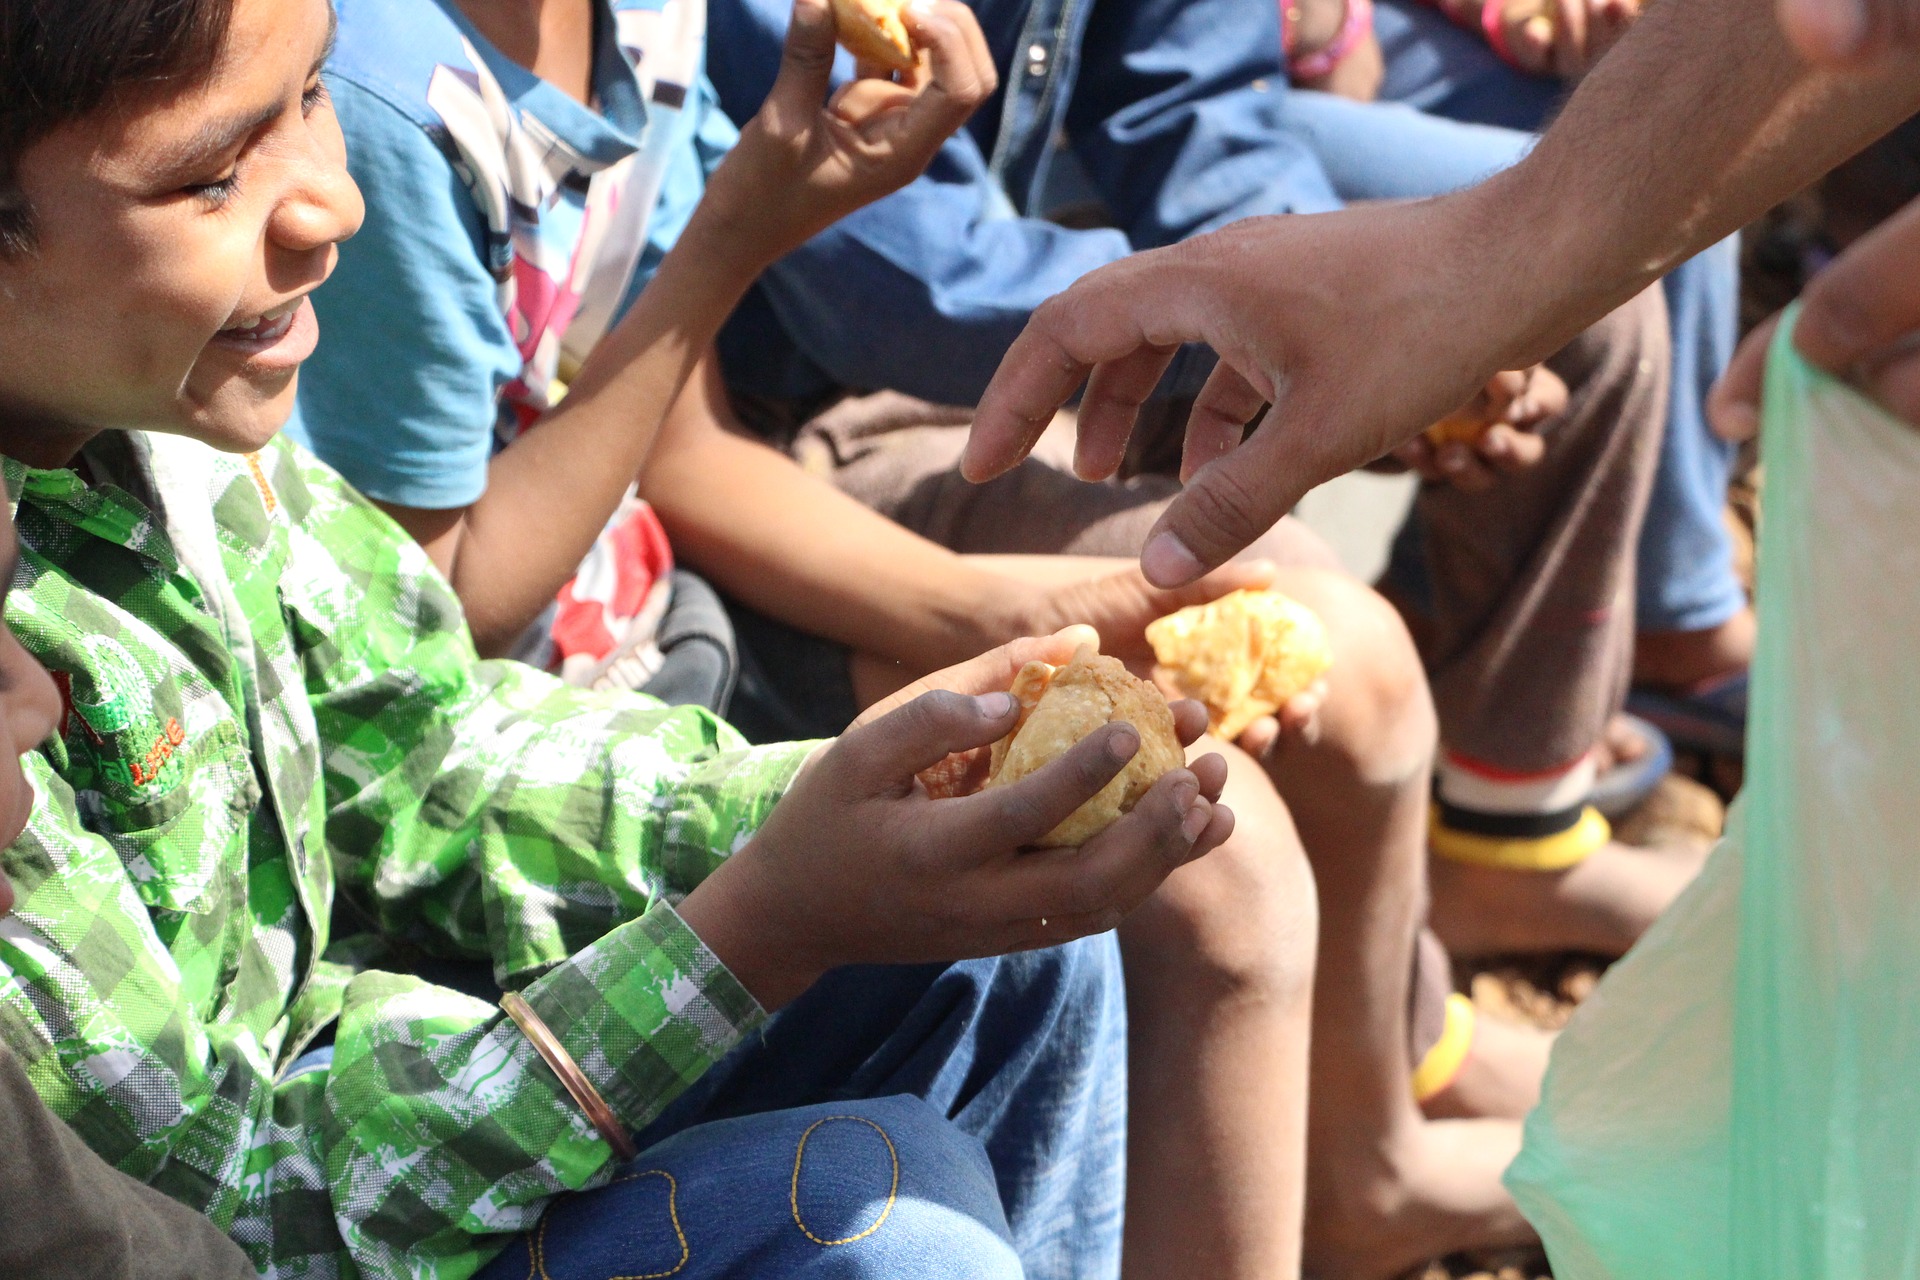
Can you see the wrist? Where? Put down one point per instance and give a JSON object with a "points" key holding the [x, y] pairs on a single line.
{"points": [[728, 227], [729, 912], [1540, 311]]}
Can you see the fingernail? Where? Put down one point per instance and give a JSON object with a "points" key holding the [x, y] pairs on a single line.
{"points": [[1123, 744], [994, 706], [1110, 919], [1167, 562], [1184, 794], [1196, 820]]}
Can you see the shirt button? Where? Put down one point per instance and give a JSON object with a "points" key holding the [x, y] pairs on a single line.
{"points": [[1036, 58]]}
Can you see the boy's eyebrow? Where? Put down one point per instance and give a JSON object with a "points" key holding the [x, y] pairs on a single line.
{"points": [[217, 137]]}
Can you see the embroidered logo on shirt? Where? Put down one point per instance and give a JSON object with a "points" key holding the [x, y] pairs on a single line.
{"points": [[105, 692], [259, 474]]}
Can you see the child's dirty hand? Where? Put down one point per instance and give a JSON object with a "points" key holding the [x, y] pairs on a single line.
{"points": [[803, 162], [859, 863]]}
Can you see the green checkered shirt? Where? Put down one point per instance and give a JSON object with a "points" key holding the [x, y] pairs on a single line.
{"points": [[268, 689]]}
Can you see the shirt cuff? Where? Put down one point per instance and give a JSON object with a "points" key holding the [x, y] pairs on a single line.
{"points": [[645, 1012]]}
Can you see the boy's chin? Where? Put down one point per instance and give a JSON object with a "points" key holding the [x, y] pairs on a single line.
{"points": [[239, 419]]}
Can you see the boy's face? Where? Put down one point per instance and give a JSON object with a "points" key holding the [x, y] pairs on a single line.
{"points": [[179, 234], [29, 709]]}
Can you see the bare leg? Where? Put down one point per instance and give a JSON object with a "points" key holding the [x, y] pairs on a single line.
{"points": [[1601, 905], [1219, 968], [1387, 1188], [1501, 1078]]}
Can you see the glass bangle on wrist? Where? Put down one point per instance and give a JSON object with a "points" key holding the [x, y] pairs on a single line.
{"points": [[1354, 28]]}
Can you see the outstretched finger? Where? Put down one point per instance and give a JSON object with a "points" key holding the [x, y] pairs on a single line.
{"points": [[806, 62], [1226, 404], [1867, 301], [1101, 319], [1228, 504], [958, 80], [1111, 408], [1733, 406]]}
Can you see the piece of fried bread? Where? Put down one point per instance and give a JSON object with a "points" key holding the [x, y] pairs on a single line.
{"points": [[1059, 707], [1245, 655], [872, 31]]}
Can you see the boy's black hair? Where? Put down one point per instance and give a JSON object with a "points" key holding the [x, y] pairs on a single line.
{"points": [[61, 60]]}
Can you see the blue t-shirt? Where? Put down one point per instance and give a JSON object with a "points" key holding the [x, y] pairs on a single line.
{"points": [[507, 228]]}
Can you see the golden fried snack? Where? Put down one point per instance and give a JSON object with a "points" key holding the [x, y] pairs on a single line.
{"points": [[1465, 426], [1245, 655], [872, 31], [1060, 706]]}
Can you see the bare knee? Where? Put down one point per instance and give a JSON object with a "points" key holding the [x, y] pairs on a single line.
{"points": [[1378, 711], [1241, 923]]}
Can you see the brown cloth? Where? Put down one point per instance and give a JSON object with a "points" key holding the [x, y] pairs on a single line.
{"points": [[65, 1212]]}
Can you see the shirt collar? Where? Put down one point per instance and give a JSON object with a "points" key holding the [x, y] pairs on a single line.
{"points": [[600, 138]]}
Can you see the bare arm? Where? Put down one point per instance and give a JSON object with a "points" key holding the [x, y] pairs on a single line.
{"points": [[792, 546], [1364, 326], [797, 168]]}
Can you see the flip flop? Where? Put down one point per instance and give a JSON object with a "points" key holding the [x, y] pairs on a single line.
{"points": [[1620, 789], [1710, 717]]}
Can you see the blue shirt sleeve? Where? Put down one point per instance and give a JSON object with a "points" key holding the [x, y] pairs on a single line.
{"points": [[1180, 118], [402, 394]]}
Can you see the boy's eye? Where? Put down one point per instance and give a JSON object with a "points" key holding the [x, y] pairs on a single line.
{"points": [[315, 95], [217, 192]]}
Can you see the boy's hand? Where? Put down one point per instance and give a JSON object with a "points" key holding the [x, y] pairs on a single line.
{"points": [[1514, 402], [803, 162], [1564, 37], [859, 864]]}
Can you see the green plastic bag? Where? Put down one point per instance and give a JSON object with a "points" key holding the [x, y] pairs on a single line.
{"points": [[1739, 1099]]}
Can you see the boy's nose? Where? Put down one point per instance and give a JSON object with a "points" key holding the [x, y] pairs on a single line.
{"points": [[326, 211]]}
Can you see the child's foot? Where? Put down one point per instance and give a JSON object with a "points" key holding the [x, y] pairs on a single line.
{"points": [[1437, 1192], [1501, 1076], [1602, 904]]}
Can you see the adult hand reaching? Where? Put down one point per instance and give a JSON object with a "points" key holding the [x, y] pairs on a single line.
{"points": [[1320, 316], [1859, 320]]}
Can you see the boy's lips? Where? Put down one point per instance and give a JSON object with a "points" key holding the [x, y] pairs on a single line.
{"points": [[275, 342]]}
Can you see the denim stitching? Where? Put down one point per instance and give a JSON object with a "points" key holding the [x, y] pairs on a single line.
{"points": [[892, 1191], [537, 1246]]}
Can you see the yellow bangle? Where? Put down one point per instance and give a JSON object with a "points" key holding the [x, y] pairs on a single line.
{"points": [[574, 1080]]}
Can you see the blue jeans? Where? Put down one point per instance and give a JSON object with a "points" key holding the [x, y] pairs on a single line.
{"points": [[994, 1090], [1685, 570]]}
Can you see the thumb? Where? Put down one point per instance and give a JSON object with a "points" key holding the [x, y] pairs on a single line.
{"points": [[888, 752], [1733, 406], [1866, 301], [1225, 506], [806, 63]]}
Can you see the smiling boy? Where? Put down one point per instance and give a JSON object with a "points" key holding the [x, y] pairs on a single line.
{"points": [[268, 693]]}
